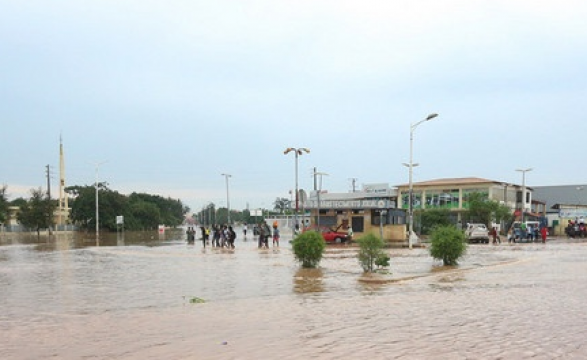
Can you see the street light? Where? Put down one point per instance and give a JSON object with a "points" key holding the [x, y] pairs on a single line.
{"points": [[382, 213], [97, 165], [297, 152], [226, 176], [412, 236], [523, 171], [318, 192]]}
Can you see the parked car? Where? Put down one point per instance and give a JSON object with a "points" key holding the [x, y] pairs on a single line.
{"points": [[477, 233], [329, 235]]}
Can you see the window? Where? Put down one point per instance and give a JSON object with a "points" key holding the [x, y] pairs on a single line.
{"points": [[416, 199], [442, 199]]}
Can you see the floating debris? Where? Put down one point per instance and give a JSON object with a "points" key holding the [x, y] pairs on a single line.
{"points": [[195, 300]]}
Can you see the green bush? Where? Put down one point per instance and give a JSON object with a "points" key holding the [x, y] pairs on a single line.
{"points": [[448, 244], [382, 261], [371, 252], [308, 248]]}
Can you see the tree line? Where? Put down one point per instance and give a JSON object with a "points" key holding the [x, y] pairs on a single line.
{"points": [[141, 211]]}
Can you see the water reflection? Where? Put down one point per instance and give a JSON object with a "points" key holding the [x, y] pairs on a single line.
{"points": [[308, 281], [127, 299]]}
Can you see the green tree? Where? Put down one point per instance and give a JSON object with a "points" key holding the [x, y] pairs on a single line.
{"points": [[141, 211], [281, 205], [448, 244], [371, 252], [485, 211], [208, 214], [110, 205], [37, 213], [20, 201], [3, 204], [308, 248], [222, 215], [83, 205], [431, 218], [172, 211], [143, 216]]}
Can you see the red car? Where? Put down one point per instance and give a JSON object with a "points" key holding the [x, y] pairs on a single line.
{"points": [[329, 235]]}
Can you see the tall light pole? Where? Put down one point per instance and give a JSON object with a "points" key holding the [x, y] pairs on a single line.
{"points": [[412, 236], [226, 176], [523, 171], [97, 165], [318, 191], [297, 152]]}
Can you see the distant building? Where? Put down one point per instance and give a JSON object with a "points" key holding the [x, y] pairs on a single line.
{"points": [[379, 206], [370, 210], [454, 193], [563, 203]]}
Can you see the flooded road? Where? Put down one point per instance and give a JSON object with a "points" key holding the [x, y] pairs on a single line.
{"points": [[138, 297]]}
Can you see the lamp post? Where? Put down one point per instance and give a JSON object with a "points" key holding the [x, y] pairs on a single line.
{"points": [[319, 190], [412, 236], [226, 176], [523, 171], [382, 213], [97, 165], [297, 152]]}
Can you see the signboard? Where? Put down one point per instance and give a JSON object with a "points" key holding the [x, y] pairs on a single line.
{"points": [[119, 220], [572, 213], [256, 212], [378, 189], [351, 204]]}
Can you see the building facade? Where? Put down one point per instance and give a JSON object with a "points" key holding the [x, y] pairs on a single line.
{"points": [[373, 209]]}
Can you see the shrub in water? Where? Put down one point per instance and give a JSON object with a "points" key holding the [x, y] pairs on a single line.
{"points": [[382, 261], [308, 248], [371, 252], [448, 244]]}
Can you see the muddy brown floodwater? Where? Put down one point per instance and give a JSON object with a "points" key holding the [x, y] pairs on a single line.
{"points": [[137, 296]]}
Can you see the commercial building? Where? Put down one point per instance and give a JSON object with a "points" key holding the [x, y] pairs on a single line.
{"points": [[381, 209], [371, 209], [564, 203]]}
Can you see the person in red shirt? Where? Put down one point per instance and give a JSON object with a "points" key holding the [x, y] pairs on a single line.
{"points": [[495, 237], [544, 234]]}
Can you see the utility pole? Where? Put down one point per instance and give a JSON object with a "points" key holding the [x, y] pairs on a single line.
{"points": [[49, 196], [318, 191], [353, 182], [48, 182]]}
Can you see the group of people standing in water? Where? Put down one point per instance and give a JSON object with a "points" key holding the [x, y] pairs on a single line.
{"points": [[223, 236], [265, 233]]}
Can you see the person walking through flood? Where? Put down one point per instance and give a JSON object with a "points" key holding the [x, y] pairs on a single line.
{"points": [[203, 230], [191, 235], [267, 232], [275, 235], [261, 231], [216, 235], [496, 238], [231, 236], [544, 234]]}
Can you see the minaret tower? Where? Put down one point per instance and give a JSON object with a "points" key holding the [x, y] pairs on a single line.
{"points": [[63, 203]]}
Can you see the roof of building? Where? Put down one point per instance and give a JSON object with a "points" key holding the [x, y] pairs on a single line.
{"points": [[561, 194], [454, 181], [358, 195]]}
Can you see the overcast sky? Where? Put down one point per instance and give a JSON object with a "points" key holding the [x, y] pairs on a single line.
{"points": [[171, 94]]}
